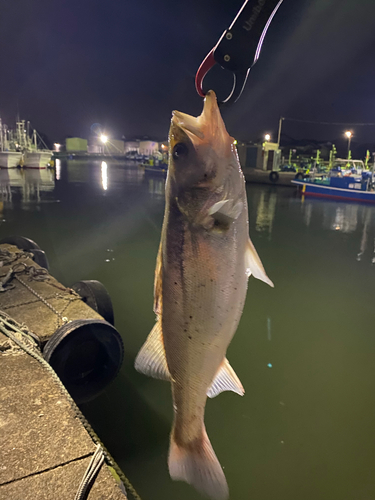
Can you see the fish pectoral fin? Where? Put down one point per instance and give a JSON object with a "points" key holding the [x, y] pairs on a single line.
{"points": [[158, 282], [151, 358], [225, 380], [253, 264], [227, 208]]}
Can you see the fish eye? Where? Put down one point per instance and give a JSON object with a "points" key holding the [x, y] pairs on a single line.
{"points": [[180, 151]]}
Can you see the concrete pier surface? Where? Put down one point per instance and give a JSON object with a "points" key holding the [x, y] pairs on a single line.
{"points": [[44, 446]]}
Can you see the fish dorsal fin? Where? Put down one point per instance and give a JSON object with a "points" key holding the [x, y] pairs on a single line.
{"points": [[253, 264], [225, 380], [228, 208], [151, 358], [158, 283]]}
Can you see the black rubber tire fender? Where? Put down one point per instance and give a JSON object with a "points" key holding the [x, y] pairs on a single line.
{"points": [[21, 242], [274, 177], [39, 256], [95, 295], [86, 354]]}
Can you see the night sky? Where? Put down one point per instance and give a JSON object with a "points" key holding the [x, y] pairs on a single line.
{"points": [[126, 64]]}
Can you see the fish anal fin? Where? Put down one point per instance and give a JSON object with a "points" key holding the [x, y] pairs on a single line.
{"points": [[253, 264], [225, 380], [151, 358]]}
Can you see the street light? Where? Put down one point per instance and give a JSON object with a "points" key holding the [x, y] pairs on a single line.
{"points": [[348, 135], [267, 137], [104, 138]]}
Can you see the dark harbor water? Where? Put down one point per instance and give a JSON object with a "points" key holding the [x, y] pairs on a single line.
{"points": [[304, 351]]}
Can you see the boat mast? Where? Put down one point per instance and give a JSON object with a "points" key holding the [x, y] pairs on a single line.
{"points": [[23, 131], [1, 136], [27, 134], [35, 142], [21, 137], [5, 138]]}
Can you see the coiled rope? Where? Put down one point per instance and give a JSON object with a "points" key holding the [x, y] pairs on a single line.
{"points": [[91, 472]]}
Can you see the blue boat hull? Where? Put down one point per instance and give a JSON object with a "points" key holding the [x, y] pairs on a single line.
{"points": [[321, 191]]}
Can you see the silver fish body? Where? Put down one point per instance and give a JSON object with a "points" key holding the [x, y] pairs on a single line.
{"points": [[205, 259]]}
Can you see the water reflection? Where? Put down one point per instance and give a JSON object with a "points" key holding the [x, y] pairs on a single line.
{"points": [[336, 216], [26, 184], [156, 186], [107, 175], [303, 350], [364, 235], [269, 329], [266, 211], [58, 169], [77, 171], [308, 213], [345, 218], [8, 178], [104, 175]]}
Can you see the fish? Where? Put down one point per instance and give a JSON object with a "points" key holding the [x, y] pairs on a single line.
{"points": [[204, 261]]}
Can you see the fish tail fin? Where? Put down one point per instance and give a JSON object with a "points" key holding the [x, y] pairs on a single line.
{"points": [[197, 465]]}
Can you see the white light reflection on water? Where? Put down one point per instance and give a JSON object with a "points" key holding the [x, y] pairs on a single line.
{"points": [[265, 211], [363, 246], [58, 169], [345, 219], [156, 187], [308, 212], [104, 169]]}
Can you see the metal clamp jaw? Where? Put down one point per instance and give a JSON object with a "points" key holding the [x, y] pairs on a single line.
{"points": [[239, 47]]}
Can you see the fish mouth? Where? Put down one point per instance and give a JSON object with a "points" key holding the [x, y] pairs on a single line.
{"points": [[208, 128], [199, 129]]}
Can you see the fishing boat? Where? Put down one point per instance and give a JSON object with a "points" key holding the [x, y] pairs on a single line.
{"points": [[9, 156], [37, 159], [17, 148], [156, 167], [10, 159], [34, 157], [346, 180]]}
